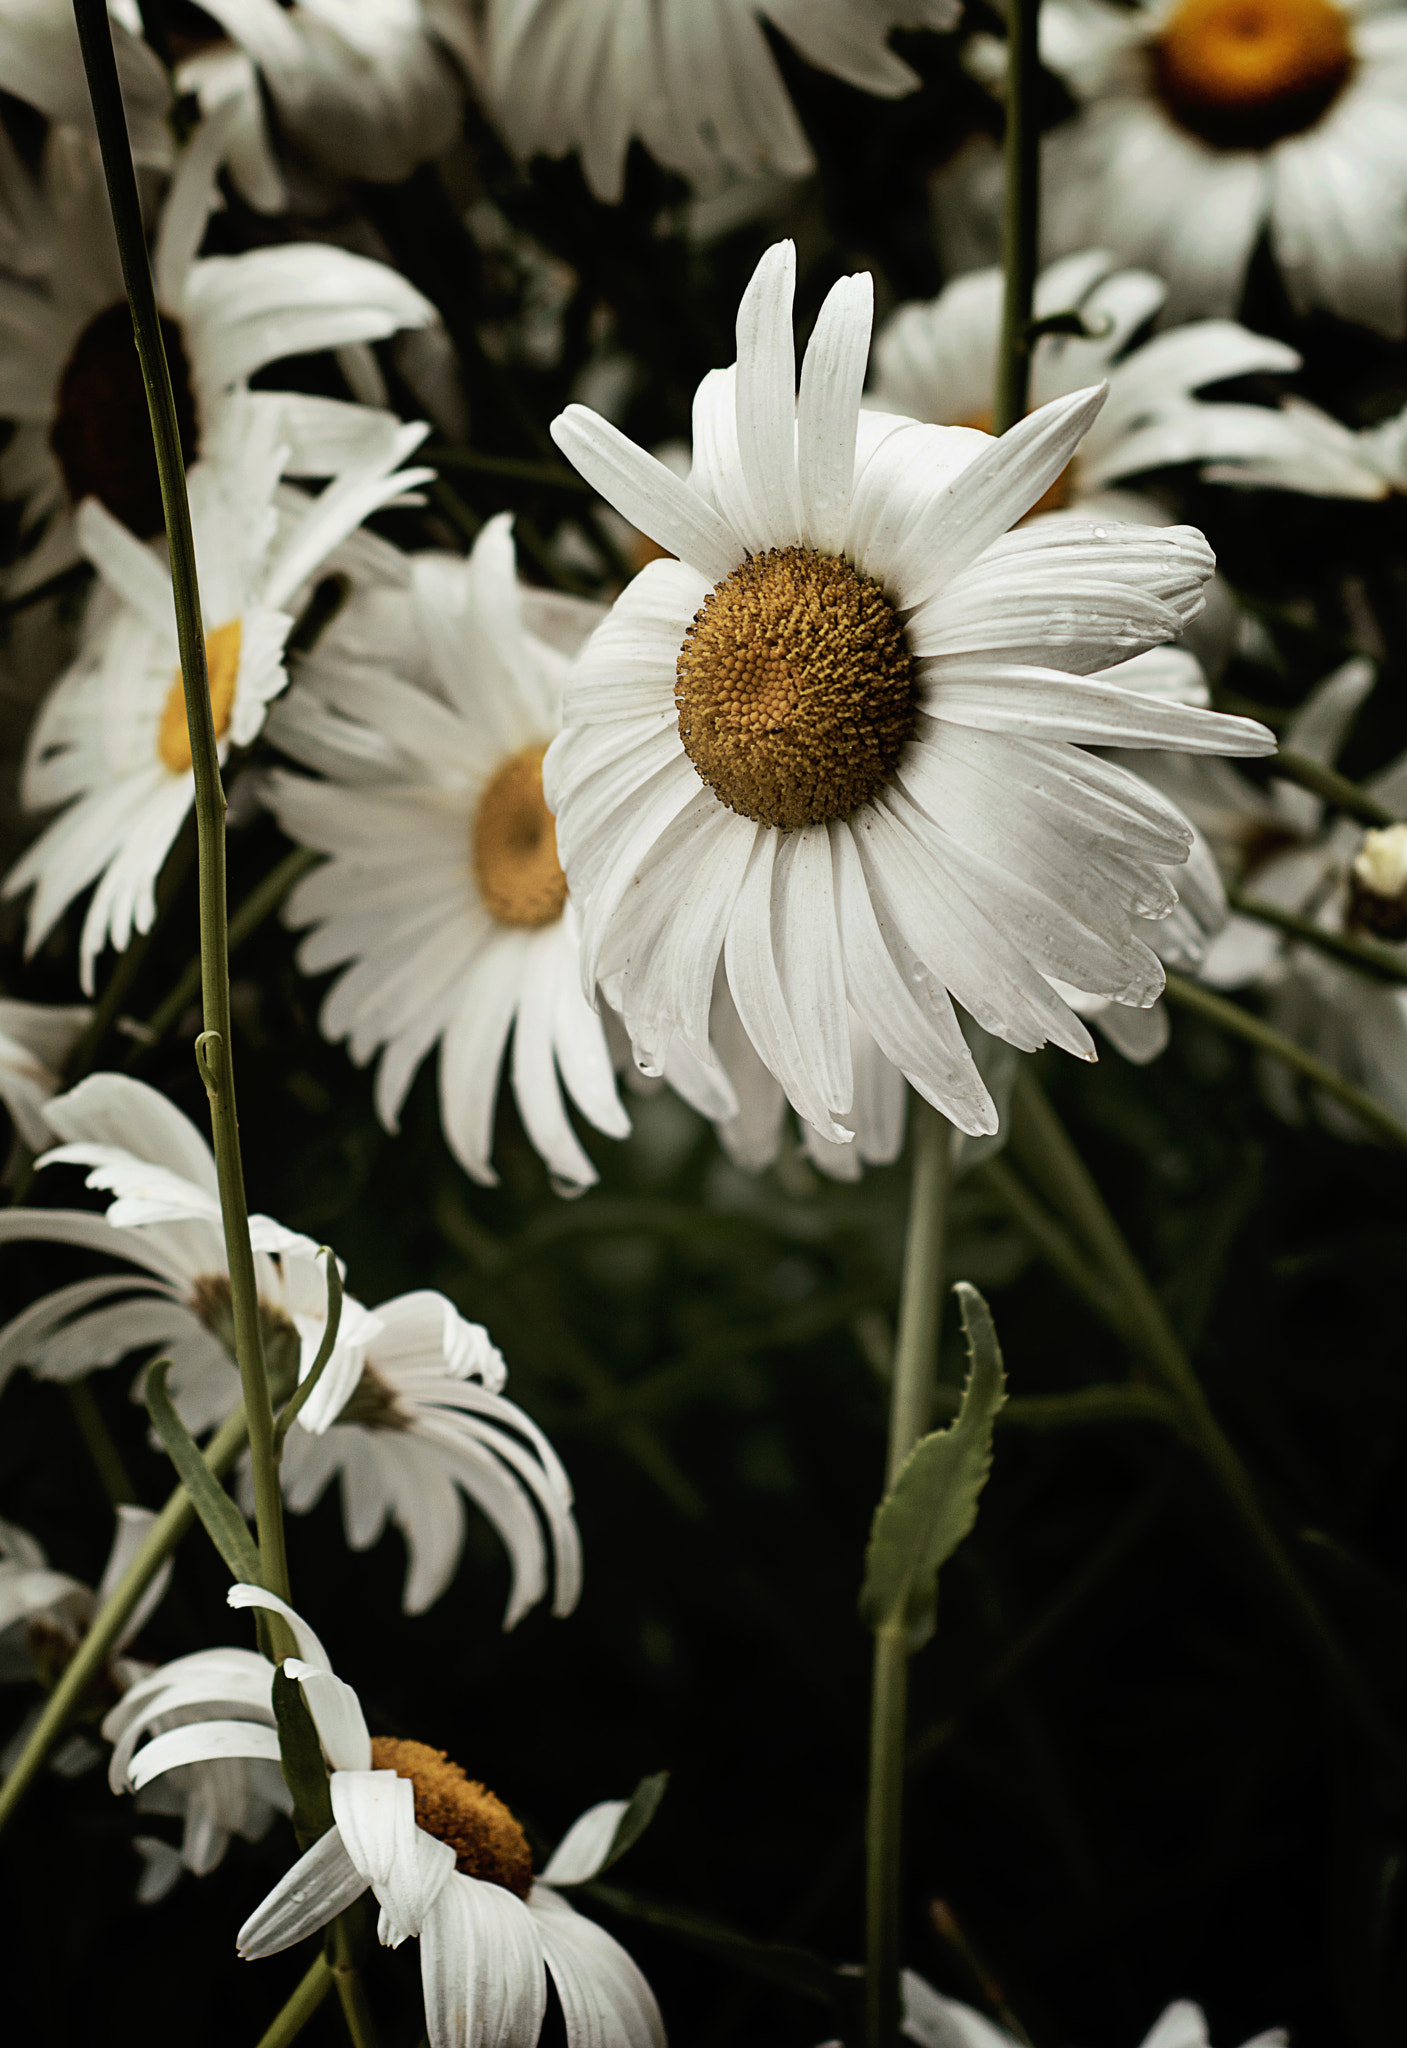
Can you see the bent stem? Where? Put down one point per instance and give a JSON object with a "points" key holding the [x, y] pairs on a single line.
{"points": [[910, 1410], [213, 1046], [1021, 221], [113, 1616], [1042, 1140]]}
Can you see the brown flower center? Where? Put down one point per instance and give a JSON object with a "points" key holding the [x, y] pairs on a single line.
{"points": [[374, 1404], [1243, 74], [487, 1842], [514, 846], [101, 437], [795, 689], [212, 1302], [173, 740]]}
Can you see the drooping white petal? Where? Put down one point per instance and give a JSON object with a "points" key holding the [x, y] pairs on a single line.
{"points": [[606, 2001], [322, 1883], [309, 1648], [586, 1844], [481, 1968], [337, 1715], [406, 1868], [202, 1742]]}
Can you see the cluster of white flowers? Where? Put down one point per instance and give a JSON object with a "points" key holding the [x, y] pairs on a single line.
{"points": [[895, 760]]}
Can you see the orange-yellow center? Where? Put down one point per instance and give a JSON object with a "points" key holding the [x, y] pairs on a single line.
{"points": [[487, 1842], [173, 742], [1243, 74], [514, 846]]}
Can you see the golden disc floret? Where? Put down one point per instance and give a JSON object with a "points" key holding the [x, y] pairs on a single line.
{"points": [[173, 741], [794, 688], [453, 1807], [514, 844], [1243, 74]]}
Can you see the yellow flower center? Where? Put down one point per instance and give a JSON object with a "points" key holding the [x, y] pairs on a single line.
{"points": [[514, 846], [1243, 74], [795, 689], [487, 1842], [173, 740], [100, 434]]}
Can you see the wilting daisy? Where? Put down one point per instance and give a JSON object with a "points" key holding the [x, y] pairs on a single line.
{"points": [[443, 889], [693, 79], [408, 1415], [937, 361], [110, 743], [825, 744], [35, 1041], [1206, 121], [71, 382], [445, 1858], [362, 87]]}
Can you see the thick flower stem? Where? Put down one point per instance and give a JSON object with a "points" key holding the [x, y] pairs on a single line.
{"points": [[213, 1046], [1021, 222], [311, 1990], [1039, 1135], [112, 1617], [910, 1411], [1191, 995]]}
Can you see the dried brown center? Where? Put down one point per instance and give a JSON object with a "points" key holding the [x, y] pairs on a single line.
{"points": [[374, 1403], [1243, 74], [514, 845], [173, 740], [100, 435], [487, 1842], [795, 689], [212, 1302]]}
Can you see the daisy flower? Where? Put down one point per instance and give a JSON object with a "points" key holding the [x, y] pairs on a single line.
{"points": [[823, 744], [695, 80], [35, 1041], [443, 900], [409, 1413], [45, 1614], [937, 361], [71, 381], [110, 742], [1206, 121], [445, 1859]]}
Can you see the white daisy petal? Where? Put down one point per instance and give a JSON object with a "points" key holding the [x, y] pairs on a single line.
{"points": [[481, 1968], [406, 1868], [606, 2001], [322, 1883], [646, 493], [765, 394], [827, 410]]}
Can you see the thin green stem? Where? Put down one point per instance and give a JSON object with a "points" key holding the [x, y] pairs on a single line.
{"points": [[351, 1991], [1191, 995], [304, 2001], [259, 904], [112, 1617], [213, 1047], [1335, 789], [910, 1412], [1038, 1133], [1379, 963], [1021, 222], [98, 1441]]}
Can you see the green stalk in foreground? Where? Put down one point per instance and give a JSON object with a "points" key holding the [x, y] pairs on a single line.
{"points": [[213, 1046], [910, 1410], [1021, 221], [112, 1617]]}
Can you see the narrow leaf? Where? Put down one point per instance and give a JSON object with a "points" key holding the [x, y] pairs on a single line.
{"points": [[304, 1771], [644, 1804], [325, 1350], [933, 1505], [223, 1522], [796, 1969]]}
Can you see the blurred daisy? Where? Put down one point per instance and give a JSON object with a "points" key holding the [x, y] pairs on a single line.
{"points": [[35, 1041], [443, 889], [937, 361], [45, 1614], [363, 87], [938, 2022], [41, 63], [695, 80], [110, 743], [1206, 121], [445, 1858], [825, 744], [71, 381], [409, 1413]]}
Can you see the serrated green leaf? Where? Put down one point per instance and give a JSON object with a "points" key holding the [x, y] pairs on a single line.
{"points": [[222, 1520], [644, 1804], [933, 1504]]}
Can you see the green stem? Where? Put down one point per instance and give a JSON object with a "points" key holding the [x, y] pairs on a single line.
{"points": [[312, 1989], [910, 1411], [213, 1052], [98, 1441], [1381, 963], [549, 475], [351, 1991], [112, 1617], [1021, 222], [260, 903], [1191, 995], [1037, 1132], [1335, 789]]}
